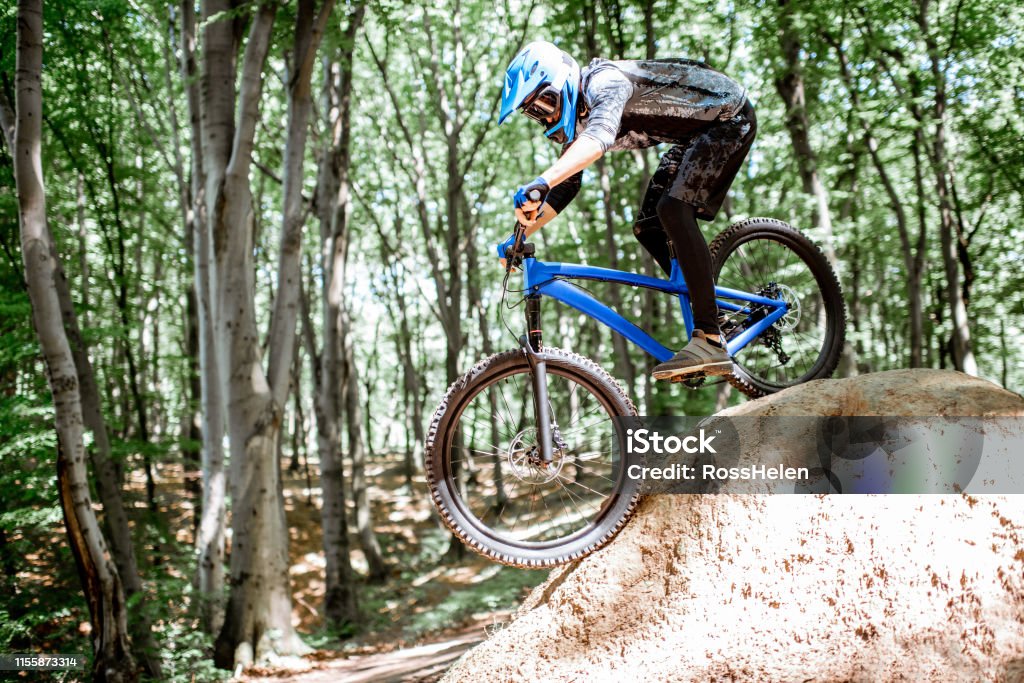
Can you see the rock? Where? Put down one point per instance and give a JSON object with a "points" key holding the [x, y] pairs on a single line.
{"points": [[910, 393], [791, 588]]}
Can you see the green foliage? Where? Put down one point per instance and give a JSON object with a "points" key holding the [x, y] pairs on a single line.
{"points": [[186, 648], [425, 600], [498, 588]]}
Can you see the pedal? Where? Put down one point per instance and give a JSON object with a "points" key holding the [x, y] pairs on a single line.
{"points": [[693, 381]]}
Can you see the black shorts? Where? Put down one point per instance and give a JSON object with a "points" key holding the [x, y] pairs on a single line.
{"points": [[701, 170]]}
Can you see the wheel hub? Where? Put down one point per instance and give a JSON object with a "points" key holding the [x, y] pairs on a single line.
{"points": [[525, 462]]}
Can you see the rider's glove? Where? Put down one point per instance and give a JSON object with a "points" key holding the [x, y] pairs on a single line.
{"points": [[532, 192], [502, 246]]}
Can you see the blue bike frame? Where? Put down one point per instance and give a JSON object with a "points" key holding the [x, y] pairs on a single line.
{"points": [[549, 279]]}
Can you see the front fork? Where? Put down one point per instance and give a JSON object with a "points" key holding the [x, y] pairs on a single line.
{"points": [[531, 343]]}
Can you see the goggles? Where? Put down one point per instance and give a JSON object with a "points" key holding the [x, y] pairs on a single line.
{"points": [[546, 103]]}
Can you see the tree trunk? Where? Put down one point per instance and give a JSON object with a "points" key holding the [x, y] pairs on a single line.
{"points": [[267, 395], [398, 312], [145, 647], [101, 582], [83, 263], [210, 535], [497, 440], [308, 32], [789, 83], [104, 469], [963, 355], [411, 382], [791, 88], [357, 451], [257, 618], [913, 274], [340, 603], [1004, 354], [917, 267], [623, 363], [191, 432], [340, 600]]}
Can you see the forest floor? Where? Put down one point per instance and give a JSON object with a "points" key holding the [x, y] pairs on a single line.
{"points": [[421, 618]]}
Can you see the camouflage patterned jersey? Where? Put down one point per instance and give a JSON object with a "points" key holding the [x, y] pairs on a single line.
{"points": [[634, 104], [702, 113]]}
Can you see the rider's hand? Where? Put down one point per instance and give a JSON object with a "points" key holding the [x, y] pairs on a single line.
{"points": [[528, 199], [503, 246]]}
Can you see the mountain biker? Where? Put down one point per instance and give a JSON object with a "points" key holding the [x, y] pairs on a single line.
{"points": [[623, 105]]}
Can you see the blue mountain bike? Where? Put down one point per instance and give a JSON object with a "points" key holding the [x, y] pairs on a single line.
{"points": [[522, 455]]}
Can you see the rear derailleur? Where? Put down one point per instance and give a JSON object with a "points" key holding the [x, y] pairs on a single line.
{"points": [[772, 339]]}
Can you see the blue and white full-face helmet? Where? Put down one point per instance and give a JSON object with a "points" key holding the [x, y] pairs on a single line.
{"points": [[544, 82]]}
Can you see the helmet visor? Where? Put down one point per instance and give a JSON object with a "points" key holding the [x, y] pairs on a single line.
{"points": [[543, 105]]}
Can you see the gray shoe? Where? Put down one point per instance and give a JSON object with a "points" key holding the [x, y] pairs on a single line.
{"points": [[701, 355]]}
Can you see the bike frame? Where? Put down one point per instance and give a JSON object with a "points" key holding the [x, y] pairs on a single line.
{"points": [[543, 278]]}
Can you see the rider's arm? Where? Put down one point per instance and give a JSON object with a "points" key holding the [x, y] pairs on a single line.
{"points": [[607, 93], [577, 157]]}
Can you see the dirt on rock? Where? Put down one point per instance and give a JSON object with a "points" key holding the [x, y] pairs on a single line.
{"points": [[791, 588]]}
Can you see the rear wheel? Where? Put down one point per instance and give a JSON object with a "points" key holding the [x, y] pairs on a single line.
{"points": [[771, 258], [484, 469]]}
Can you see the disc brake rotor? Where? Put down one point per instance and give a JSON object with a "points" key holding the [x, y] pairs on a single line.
{"points": [[792, 317], [523, 458]]}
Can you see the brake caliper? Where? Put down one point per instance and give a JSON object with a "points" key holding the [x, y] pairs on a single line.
{"points": [[556, 437]]}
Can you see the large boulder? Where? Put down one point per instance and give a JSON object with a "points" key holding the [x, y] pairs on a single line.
{"points": [[791, 587]]}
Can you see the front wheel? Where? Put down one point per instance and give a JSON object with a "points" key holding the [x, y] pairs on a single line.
{"points": [[486, 476], [768, 257]]}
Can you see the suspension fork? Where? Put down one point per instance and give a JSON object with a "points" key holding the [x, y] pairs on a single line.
{"points": [[531, 343]]}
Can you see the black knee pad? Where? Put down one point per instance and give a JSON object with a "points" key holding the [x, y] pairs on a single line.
{"points": [[652, 237], [648, 228]]}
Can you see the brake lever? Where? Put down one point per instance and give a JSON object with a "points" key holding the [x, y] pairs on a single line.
{"points": [[513, 254]]}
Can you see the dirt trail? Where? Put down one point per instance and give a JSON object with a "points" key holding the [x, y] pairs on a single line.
{"points": [[420, 664]]}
